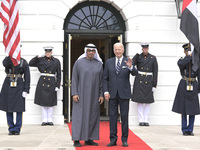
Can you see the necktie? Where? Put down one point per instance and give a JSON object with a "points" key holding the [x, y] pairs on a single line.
{"points": [[118, 67]]}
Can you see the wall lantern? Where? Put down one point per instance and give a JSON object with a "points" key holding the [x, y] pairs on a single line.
{"points": [[179, 4]]}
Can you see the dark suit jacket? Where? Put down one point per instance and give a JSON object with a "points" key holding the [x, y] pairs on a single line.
{"points": [[113, 82]]}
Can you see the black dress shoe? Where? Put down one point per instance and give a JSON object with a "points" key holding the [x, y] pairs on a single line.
{"points": [[125, 144], [17, 133], [50, 123], [185, 133], [146, 124], [11, 133], [141, 124], [91, 142], [44, 124], [77, 144], [190, 133], [112, 144]]}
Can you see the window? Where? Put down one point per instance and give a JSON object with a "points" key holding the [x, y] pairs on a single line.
{"points": [[94, 16]]}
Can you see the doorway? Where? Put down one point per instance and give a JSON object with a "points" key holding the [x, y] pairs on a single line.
{"points": [[74, 48], [94, 22]]}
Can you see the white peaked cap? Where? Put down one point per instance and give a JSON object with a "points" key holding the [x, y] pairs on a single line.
{"points": [[144, 43], [50, 48]]}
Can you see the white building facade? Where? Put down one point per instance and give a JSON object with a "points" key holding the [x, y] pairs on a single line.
{"points": [[47, 23]]}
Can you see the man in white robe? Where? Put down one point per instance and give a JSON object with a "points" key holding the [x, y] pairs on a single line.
{"points": [[87, 96]]}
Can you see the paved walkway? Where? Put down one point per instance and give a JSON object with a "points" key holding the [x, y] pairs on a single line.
{"points": [[36, 137]]}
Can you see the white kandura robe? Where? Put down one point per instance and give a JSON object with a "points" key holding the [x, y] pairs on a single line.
{"points": [[87, 83]]}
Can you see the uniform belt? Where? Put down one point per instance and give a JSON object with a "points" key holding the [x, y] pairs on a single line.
{"points": [[14, 75], [186, 78], [145, 73], [48, 74]]}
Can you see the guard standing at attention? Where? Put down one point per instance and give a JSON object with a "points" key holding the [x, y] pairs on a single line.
{"points": [[48, 84], [187, 101], [13, 93], [145, 82]]}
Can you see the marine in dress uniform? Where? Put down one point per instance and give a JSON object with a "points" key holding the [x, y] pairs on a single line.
{"points": [[48, 84], [145, 82], [186, 101], [14, 90]]}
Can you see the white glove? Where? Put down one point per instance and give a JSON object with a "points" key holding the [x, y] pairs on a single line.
{"points": [[24, 94], [153, 89], [56, 89], [189, 52], [198, 94], [40, 55]]}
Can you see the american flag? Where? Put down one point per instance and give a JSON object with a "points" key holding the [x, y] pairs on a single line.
{"points": [[9, 14]]}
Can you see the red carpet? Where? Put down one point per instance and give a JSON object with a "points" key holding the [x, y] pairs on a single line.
{"points": [[134, 142]]}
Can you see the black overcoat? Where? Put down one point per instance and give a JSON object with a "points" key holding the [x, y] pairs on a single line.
{"points": [[187, 102], [45, 94], [11, 99], [142, 89]]}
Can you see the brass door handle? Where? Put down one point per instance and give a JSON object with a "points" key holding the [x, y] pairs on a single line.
{"points": [[68, 83]]}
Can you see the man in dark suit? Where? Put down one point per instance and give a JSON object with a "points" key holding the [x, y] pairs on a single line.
{"points": [[117, 91]]}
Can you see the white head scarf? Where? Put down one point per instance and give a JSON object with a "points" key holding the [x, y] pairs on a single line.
{"points": [[96, 56]]}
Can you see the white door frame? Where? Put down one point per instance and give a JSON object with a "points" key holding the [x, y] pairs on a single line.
{"points": [[69, 76]]}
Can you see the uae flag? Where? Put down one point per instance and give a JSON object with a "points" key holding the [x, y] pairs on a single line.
{"points": [[189, 26]]}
